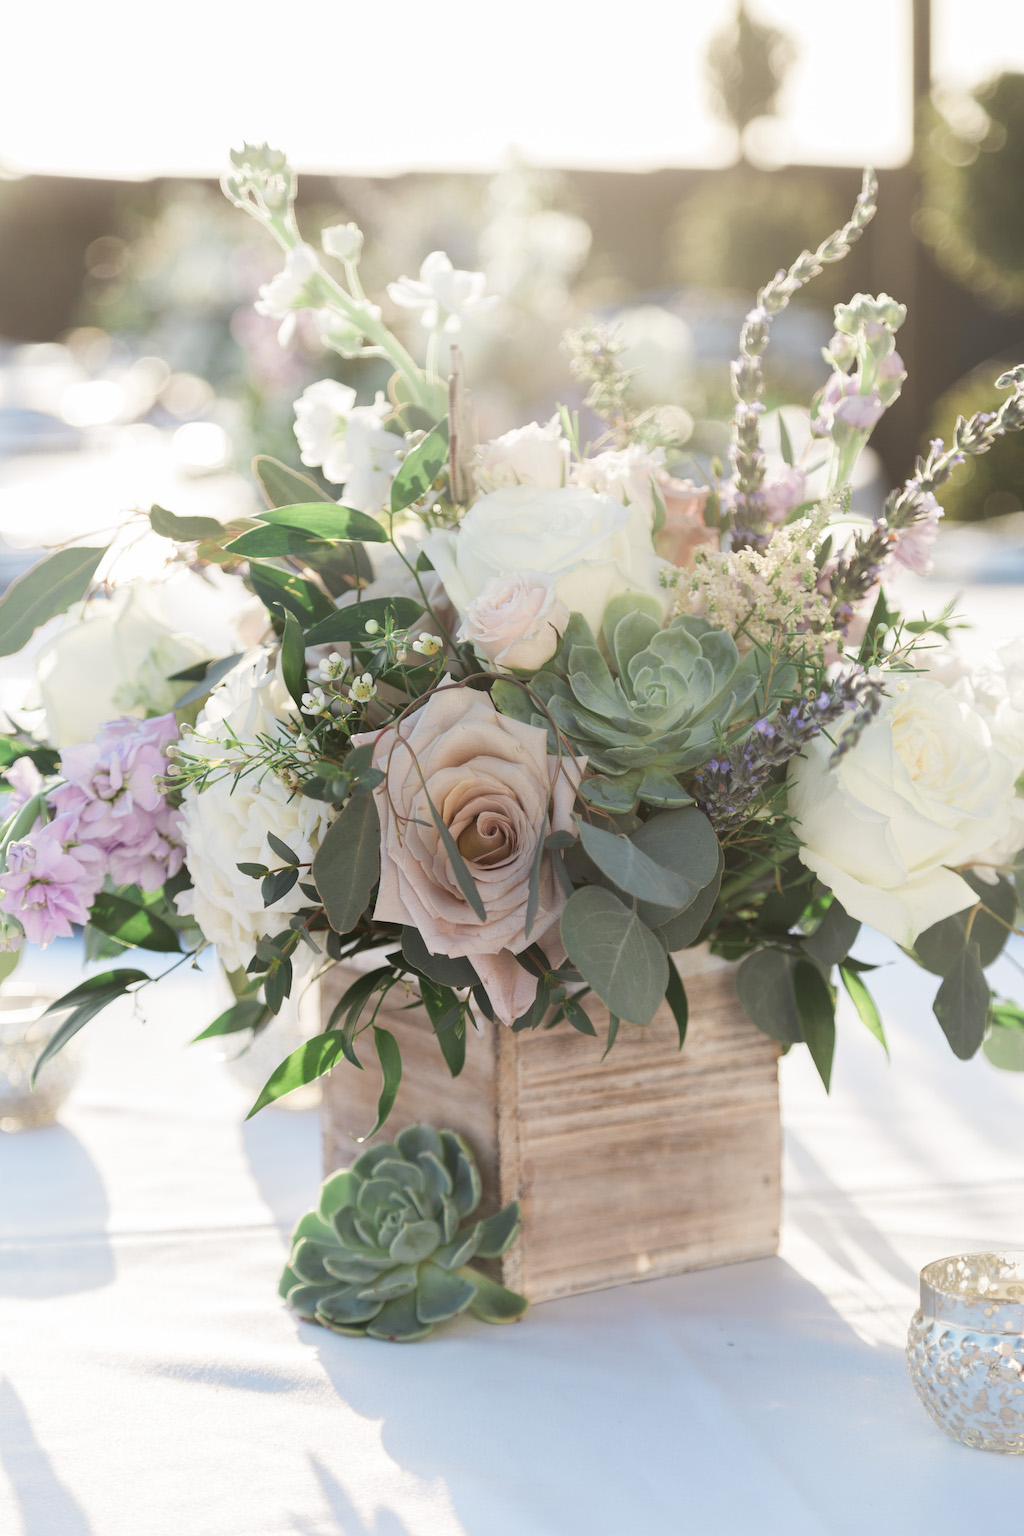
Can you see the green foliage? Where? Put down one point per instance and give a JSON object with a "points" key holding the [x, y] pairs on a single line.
{"points": [[285, 487], [675, 693], [213, 673], [387, 1252], [617, 955], [420, 468], [1004, 1042], [306, 528], [971, 212], [283, 591], [183, 529], [986, 925], [247, 1013], [765, 987], [83, 1003], [348, 624], [48, 588], [962, 1002], [132, 924], [990, 484], [347, 863]]}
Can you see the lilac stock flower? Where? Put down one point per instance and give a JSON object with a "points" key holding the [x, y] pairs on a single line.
{"points": [[112, 791], [913, 547], [51, 881]]}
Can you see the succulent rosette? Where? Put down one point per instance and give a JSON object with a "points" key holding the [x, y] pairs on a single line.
{"points": [[388, 1250]]}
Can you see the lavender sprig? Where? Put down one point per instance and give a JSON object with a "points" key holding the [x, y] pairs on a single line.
{"points": [[748, 376], [856, 573], [728, 788]]}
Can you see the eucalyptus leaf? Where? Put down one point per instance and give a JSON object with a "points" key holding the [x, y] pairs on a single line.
{"points": [[817, 1014], [832, 940], [247, 1013], [634, 871], [764, 985], [618, 956], [215, 672], [46, 589], [962, 1002], [85, 1001], [132, 925], [420, 468], [682, 931], [864, 1004], [684, 842], [347, 863], [938, 948], [285, 591], [675, 997], [311, 1060], [327, 523], [456, 971], [284, 487], [349, 624], [185, 530], [390, 1058]]}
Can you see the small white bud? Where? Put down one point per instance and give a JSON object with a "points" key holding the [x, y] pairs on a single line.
{"points": [[345, 241], [372, 627]]}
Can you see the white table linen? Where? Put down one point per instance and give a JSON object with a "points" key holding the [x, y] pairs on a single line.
{"points": [[151, 1382]]}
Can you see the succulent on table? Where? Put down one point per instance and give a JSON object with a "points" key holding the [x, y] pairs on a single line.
{"points": [[387, 1251], [666, 709]]}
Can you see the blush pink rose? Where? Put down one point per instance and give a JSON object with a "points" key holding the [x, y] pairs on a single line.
{"points": [[497, 790], [516, 621], [684, 530]]}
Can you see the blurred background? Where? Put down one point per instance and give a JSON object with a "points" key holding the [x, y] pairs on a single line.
{"points": [[654, 175]]}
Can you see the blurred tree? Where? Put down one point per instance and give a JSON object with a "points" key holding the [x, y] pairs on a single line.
{"points": [[972, 168], [746, 67], [992, 485]]}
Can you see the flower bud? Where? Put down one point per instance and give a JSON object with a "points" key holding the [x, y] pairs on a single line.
{"points": [[345, 241]]}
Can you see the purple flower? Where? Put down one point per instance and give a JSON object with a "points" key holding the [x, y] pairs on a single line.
{"points": [[51, 882], [113, 795], [913, 547]]}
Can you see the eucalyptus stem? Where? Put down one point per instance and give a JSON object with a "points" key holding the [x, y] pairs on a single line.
{"points": [[747, 373]]}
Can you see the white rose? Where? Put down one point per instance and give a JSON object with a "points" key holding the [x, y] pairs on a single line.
{"points": [[227, 823], [349, 442], [627, 474], [530, 455], [589, 545], [516, 621], [924, 788], [113, 659]]}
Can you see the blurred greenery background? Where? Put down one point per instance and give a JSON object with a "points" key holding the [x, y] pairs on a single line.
{"points": [[125, 305]]}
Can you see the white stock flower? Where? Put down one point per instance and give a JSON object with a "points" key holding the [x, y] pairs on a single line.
{"points": [[345, 241], [227, 823], [442, 290], [589, 545], [289, 290], [530, 455], [348, 442], [113, 658], [924, 788], [627, 474]]}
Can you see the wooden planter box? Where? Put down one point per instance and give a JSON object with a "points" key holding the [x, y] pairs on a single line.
{"points": [[652, 1162]]}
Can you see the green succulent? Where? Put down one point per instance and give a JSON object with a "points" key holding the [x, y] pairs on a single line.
{"points": [[387, 1250], [664, 711]]}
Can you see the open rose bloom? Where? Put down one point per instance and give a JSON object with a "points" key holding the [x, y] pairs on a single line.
{"points": [[510, 721]]}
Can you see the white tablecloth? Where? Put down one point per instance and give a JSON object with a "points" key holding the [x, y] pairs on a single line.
{"points": [[151, 1384]]}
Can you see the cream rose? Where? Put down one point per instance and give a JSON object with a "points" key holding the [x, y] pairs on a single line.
{"points": [[924, 788], [490, 779], [227, 823], [114, 659], [627, 474], [591, 547], [516, 621], [530, 455]]}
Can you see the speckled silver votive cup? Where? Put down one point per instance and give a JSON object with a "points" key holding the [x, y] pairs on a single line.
{"points": [[965, 1349]]}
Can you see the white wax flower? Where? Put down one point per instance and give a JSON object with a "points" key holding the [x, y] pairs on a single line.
{"points": [[442, 290], [289, 290], [924, 788], [530, 455], [627, 474], [589, 545], [227, 823], [345, 241], [516, 621], [113, 658], [348, 442]]}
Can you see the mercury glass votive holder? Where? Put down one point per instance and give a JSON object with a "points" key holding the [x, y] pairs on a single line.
{"points": [[965, 1349], [23, 1033]]}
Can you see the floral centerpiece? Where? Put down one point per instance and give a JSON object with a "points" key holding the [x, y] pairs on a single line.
{"points": [[522, 719]]}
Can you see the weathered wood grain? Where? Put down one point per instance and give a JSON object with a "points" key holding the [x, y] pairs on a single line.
{"points": [[649, 1163]]}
